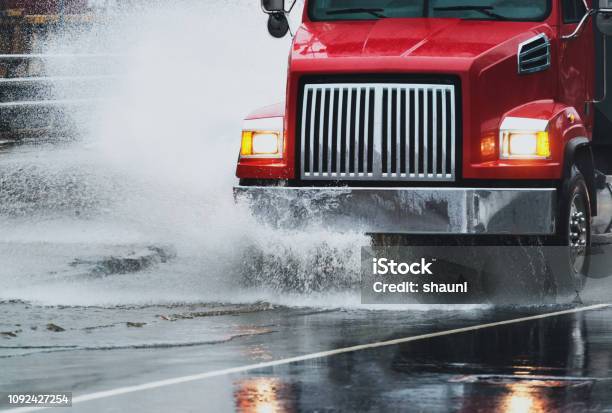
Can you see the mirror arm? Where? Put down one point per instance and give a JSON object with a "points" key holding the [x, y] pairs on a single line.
{"points": [[580, 27], [586, 4], [295, 1]]}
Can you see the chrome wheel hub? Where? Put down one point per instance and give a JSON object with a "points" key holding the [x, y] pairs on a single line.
{"points": [[578, 232]]}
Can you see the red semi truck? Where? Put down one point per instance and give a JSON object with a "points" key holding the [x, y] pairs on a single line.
{"points": [[475, 119]]}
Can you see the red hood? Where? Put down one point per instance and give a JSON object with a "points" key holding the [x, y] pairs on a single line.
{"points": [[448, 38], [482, 55]]}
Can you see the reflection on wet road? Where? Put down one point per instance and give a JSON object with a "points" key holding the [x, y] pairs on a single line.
{"points": [[561, 363], [557, 364]]}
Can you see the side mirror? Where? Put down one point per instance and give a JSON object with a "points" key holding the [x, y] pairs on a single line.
{"points": [[278, 26], [604, 23], [604, 16], [273, 6]]}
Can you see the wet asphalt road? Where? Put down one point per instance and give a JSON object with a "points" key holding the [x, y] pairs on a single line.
{"points": [[561, 363]]}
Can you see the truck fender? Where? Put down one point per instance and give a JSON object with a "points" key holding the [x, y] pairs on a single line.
{"points": [[565, 126], [579, 152]]}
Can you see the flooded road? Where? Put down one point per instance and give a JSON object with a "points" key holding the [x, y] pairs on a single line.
{"points": [[154, 326]]}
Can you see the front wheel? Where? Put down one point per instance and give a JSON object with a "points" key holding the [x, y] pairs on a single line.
{"points": [[574, 229]]}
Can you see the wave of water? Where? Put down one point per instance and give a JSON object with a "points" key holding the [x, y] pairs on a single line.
{"points": [[154, 165]]}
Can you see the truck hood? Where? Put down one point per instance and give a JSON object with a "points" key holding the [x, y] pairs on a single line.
{"points": [[448, 38]]}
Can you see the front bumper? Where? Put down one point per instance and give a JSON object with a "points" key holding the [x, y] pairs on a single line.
{"points": [[522, 211]]}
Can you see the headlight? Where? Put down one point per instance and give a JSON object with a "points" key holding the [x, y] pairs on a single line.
{"points": [[262, 138], [261, 143], [524, 140]]}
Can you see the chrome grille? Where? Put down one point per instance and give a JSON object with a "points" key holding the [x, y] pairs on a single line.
{"points": [[393, 132]]}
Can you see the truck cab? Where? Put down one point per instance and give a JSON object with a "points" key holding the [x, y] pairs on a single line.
{"points": [[438, 117]]}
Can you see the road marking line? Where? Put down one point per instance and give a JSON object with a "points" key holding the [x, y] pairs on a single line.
{"points": [[242, 369]]}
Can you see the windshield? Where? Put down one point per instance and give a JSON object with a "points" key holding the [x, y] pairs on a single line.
{"points": [[514, 10]]}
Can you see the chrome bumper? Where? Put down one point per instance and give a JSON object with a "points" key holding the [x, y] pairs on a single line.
{"points": [[406, 210]]}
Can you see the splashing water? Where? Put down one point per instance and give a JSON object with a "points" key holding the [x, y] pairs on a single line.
{"points": [[153, 171]]}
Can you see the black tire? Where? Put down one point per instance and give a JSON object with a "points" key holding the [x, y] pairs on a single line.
{"points": [[574, 226]]}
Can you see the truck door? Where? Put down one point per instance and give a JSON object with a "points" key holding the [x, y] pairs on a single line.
{"points": [[576, 69], [602, 130]]}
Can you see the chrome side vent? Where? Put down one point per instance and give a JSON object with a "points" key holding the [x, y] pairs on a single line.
{"points": [[534, 55]]}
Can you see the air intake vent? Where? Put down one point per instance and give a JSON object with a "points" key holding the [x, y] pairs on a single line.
{"points": [[534, 55]]}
